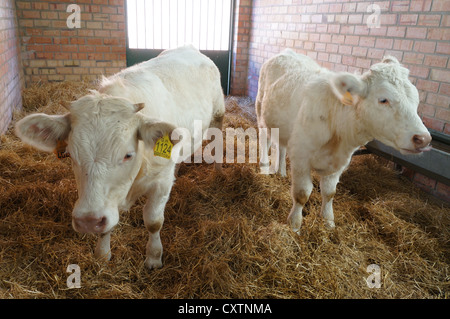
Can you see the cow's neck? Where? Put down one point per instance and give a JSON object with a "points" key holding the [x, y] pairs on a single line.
{"points": [[350, 127]]}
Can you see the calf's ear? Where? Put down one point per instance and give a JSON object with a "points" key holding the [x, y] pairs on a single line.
{"points": [[348, 87], [150, 130], [43, 131]]}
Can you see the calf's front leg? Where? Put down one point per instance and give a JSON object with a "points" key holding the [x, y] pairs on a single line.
{"points": [[300, 190], [158, 196], [103, 248], [327, 191]]}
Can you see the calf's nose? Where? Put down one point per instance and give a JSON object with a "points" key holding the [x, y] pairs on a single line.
{"points": [[421, 140], [90, 224]]}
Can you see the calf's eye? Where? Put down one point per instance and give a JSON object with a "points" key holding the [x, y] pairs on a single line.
{"points": [[383, 101], [127, 156]]}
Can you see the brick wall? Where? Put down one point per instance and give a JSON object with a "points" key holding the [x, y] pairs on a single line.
{"points": [[335, 33], [241, 43], [11, 75], [52, 51]]}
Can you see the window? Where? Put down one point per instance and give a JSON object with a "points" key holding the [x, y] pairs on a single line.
{"points": [[166, 24]]}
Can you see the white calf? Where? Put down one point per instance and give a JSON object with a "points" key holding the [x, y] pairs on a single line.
{"points": [[323, 117], [110, 135]]}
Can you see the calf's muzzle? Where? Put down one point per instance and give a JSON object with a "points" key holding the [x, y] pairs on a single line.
{"points": [[421, 141], [90, 224]]}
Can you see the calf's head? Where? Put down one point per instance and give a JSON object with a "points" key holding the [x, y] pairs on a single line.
{"points": [[105, 137], [387, 103]]}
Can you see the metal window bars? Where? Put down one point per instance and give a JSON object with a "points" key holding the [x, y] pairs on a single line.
{"points": [[165, 24]]}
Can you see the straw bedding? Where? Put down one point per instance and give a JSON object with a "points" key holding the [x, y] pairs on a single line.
{"points": [[224, 236]]}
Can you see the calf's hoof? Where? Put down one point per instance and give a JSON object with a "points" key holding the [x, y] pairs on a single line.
{"points": [[329, 224], [153, 263], [102, 256]]}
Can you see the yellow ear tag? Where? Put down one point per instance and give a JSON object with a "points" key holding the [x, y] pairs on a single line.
{"points": [[163, 147], [60, 150], [347, 99]]}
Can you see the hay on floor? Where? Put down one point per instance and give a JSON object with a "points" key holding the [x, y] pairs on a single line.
{"points": [[224, 236]]}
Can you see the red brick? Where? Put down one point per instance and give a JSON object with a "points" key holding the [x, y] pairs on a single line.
{"points": [[351, 40], [86, 48], [94, 41], [103, 48], [31, 14], [339, 39], [51, 15], [426, 109], [425, 46], [388, 19], [443, 114], [336, 8], [445, 21], [348, 60], [69, 48], [381, 31], [443, 48], [420, 5], [361, 30], [52, 48], [44, 55], [62, 56], [77, 40], [447, 128], [444, 89], [439, 34], [367, 41], [355, 18], [396, 32], [347, 29], [414, 58], [443, 191], [23, 5], [375, 54], [322, 56], [426, 85], [363, 63], [41, 40], [419, 71], [433, 123], [359, 51], [440, 75], [345, 49], [440, 5], [424, 180], [349, 7], [429, 20], [408, 19], [400, 6], [404, 45], [384, 43], [418, 33], [438, 100]]}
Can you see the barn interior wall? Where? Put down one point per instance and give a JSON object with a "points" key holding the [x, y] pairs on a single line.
{"points": [[336, 33], [11, 74], [241, 43], [55, 48]]}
